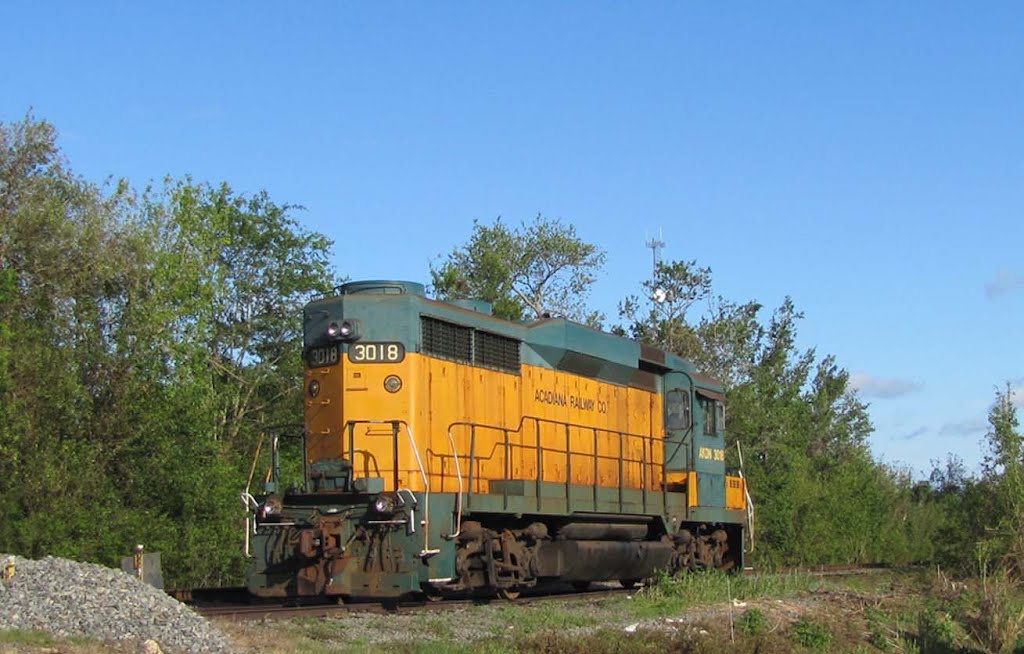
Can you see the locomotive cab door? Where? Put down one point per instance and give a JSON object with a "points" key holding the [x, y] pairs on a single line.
{"points": [[678, 422]]}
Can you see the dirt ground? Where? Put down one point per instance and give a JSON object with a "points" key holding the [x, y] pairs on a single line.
{"points": [[834, 617], [888, 612]]}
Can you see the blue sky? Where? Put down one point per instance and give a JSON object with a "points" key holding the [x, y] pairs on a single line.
{"points": [[866, 159]]}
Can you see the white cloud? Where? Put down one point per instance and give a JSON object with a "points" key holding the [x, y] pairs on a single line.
{"points": [[1004, 282], [882, 387], [968, 427], [920, 431]]}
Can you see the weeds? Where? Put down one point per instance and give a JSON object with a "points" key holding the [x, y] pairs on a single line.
{"points": [[752, 622], [878, 631], [672, 594], [29, 638], [533, 619], [997, 622], [936, 632], [812, 635], [319, 629]]}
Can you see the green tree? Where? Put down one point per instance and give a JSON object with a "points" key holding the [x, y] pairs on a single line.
{"points": [[146, 339], [231, 274], [1003, 468], [538, 268], [62, 261], [722, 341], [241, 268], [983, 526], [820, 496]]}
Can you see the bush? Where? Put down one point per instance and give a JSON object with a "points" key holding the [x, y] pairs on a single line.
{"points": [[936, 632], [752, 622], [812, 635], [997, 621]]}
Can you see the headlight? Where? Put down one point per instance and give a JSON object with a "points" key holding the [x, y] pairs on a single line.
{"points": [[346, 330], [384, 504], [393, 383], [270, 508]]}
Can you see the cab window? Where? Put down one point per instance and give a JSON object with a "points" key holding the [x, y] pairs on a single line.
{"points": [[707, 406], [677, 410]]}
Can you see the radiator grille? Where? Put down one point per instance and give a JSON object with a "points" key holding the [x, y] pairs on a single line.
{"points": [[466, 345], [496, 351], [445, 339]]}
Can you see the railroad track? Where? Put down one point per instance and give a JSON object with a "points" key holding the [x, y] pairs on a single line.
{"points": [[236, 604], [261, 609]]}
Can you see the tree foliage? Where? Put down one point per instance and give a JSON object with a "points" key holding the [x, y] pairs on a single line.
{"points": [[146, 340], [819, 494], [538, 268], [984, 527]]}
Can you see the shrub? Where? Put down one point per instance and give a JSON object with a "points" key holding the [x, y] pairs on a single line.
{"points": [[812, 635], [997, 623], [752, 622]]}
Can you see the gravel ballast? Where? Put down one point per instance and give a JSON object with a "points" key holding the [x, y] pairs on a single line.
{"points": [[70, 599]]}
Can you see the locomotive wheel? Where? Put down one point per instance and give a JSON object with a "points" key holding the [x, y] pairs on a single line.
{"points": [[508, 593], [580, 586], [430, 593]]}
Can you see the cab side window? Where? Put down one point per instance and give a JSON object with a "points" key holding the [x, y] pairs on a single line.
{"points": [[677, 410], [707, 406]]}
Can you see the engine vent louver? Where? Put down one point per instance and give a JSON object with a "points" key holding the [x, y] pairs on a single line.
{"points": [[466, 345], [496, 351], [445, 339]]}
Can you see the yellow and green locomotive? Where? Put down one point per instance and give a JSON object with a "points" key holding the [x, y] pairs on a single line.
{"points": [[446, 450]]}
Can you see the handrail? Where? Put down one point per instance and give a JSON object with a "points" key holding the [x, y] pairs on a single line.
{"points": [[644, 461], [539, 420], [251, 506], [463, 493], [549, 421], [458, 496], [746, 494], [350, 427]]}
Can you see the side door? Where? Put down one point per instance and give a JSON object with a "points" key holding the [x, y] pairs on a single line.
{"points": [[678, 407]]}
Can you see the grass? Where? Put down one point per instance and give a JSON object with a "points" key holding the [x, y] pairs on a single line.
{"points": [[752, 622], [537, 618], [899, 613], [812, 635], [482, 647], [667, 594], [28, 638], [44, 642]]}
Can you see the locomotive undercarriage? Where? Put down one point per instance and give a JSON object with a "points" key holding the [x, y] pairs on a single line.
{"points": [[353, 553], [506, 559]]}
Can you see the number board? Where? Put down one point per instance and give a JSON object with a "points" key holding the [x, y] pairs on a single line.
{"points": [[318, 357], [376, 352]]}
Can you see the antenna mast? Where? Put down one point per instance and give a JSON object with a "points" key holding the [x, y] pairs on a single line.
{"points": [[655, 244]]}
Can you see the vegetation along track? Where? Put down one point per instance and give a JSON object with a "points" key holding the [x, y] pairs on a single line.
{"points": [[235, 603]]}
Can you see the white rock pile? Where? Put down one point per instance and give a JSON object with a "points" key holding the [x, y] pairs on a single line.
{"points": [[71, 599]]}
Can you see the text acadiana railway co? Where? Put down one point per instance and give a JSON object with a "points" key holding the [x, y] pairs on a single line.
{"points": [[571, 401]]}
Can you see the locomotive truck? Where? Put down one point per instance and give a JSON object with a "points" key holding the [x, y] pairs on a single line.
{"points": [[446, 450]]}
